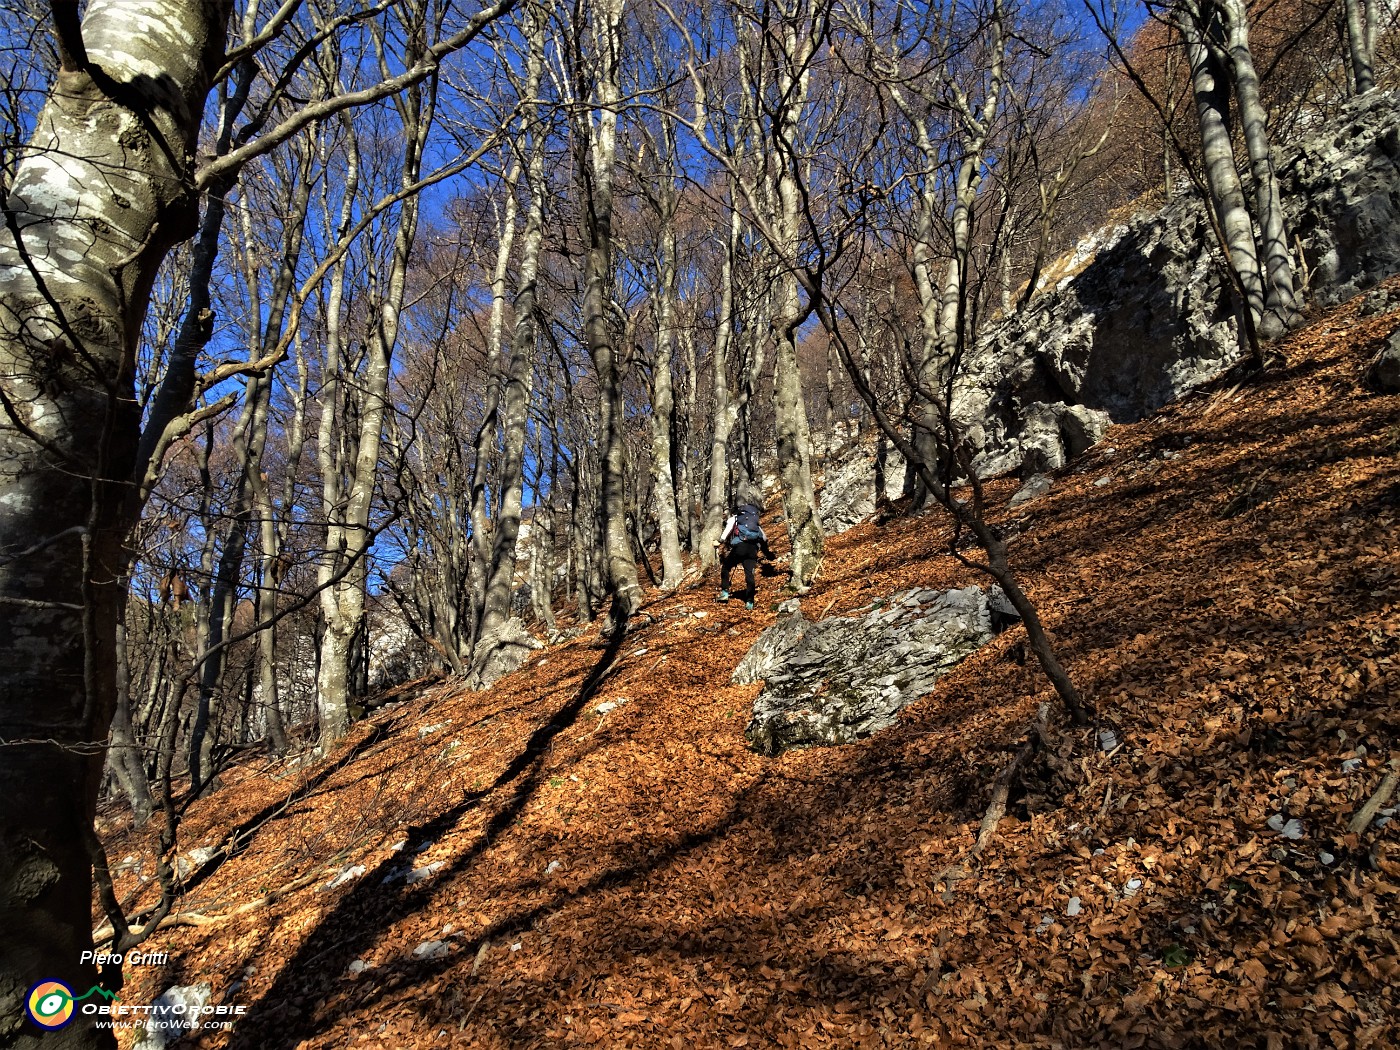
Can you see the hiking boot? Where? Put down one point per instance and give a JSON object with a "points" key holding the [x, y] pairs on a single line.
{"points": [[748, 606], [723, 596]]}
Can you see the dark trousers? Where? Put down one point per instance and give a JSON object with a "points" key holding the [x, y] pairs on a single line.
{"points": [[745, 554]]}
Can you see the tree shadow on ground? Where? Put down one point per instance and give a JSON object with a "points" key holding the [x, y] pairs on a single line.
{"points": [[370, 907]]}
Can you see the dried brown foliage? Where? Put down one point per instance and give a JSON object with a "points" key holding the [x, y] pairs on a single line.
{"points": [[1244, 649]]}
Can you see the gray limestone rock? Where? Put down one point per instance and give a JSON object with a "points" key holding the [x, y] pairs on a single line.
{"points": [[843, 678], [1036, 485], [1145, 314], [1384, 374], [848, 496], [774, 645], [174, 1012]]}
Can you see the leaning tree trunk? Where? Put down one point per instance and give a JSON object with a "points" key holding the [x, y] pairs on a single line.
{"points": [[99, 197], [1210, 85], [1280, 307]]}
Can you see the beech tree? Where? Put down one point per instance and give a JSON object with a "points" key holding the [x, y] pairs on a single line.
{"points": [[103, 192], [595, 51], [107, 185]]}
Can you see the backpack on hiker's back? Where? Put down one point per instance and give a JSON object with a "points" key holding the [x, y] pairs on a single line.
{"points": [[746, 527]]}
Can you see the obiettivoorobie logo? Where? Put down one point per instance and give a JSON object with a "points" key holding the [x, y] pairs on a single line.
{"points": [[50, 1004]]}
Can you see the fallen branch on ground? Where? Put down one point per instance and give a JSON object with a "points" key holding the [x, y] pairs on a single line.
{"points": [[1001, 792], [1367, 813], [194, 918]]}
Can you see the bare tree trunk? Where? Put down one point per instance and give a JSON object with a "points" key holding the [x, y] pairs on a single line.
{"points": [[343, 569], [251, 433], [663, 402], [482, 473], [941, 305], [726, 409], [542, 567], [794, 439], [1280, 308], [1361, 44], [686, 433], [500, 575], [124, 756], [1210, 82], [96, 202], [599, 147]]}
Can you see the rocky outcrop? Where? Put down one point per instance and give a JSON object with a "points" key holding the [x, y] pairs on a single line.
{"points": [[848, 491], [838, 680], [1149, 315]]}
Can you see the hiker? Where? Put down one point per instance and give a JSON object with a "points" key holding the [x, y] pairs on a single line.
{"points": [[740, 543]]}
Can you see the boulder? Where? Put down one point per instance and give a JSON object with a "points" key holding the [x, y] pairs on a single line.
{"points": [[174, 1012], [1036, 485], [838, 680], [1384, 373]]}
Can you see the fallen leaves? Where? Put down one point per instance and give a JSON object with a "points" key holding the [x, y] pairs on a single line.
{"points": [[1247, 667]]}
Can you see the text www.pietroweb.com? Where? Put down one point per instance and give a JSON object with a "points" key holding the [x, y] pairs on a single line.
{"points": [[175, 1026]]}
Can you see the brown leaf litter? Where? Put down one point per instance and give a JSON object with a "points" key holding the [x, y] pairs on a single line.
{"points": [[1226, 599]]}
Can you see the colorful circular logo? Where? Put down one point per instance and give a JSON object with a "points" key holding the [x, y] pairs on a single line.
{"points": [[50, 1004]]}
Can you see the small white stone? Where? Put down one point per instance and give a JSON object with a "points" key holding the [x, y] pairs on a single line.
{"points": [[1072, 908], [347, 874], [427, 870]]}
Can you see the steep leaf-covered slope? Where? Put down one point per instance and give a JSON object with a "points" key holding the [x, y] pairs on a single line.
{"points": [[1224, 583]]}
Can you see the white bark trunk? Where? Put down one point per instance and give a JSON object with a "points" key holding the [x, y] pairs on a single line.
{"points": [[1280, 308], [1211, 89], [599, 330], [500, 574], [348, 519], [663, 410], [97, 200]]}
